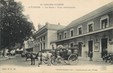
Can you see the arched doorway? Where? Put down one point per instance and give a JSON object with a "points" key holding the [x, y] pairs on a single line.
{"points": [[104, 45], [80, 48]]}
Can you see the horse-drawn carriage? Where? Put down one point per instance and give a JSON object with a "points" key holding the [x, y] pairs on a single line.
{"points": [[57, 56], [67, 56], [42, 54]]}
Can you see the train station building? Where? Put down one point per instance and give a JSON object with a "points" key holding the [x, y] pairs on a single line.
{"points": [[45, 35], [91, 32]]}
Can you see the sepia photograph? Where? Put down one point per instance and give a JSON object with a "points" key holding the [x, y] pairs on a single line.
{"points": [[56, 36]]}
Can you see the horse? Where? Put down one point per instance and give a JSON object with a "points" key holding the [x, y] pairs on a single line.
{"points": [[46, 57], [31, 55], [28, 56]]}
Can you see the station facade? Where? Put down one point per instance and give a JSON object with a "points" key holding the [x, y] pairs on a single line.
{"points": [[91, 32]]}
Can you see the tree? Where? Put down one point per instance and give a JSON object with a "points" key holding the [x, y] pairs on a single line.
{"points": [[14, 25]]}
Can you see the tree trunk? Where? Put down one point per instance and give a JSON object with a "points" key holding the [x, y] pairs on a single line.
{"points": [[4, 53]]}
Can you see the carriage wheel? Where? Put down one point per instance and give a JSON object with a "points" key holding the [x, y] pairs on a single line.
{"points": [[57, 61], [73, 59], [53, 60], [45, 60]]}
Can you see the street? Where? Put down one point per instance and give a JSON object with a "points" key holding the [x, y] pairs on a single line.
{"points": [[21, 61], [18, 64]]}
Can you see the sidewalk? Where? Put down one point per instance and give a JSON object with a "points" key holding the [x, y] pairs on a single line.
{"points": [[85, 61]]}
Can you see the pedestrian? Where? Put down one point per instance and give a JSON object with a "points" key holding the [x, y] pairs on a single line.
{"points": [[104, 54], [49, 57], [90, 55], [76, 52], [33, 56], [69, 52], [39, 58]]}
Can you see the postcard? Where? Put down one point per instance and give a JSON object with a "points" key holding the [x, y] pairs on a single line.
{"points": [[56, 36]]}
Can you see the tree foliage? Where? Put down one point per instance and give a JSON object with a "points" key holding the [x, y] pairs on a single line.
{"points": [[14, 25]]}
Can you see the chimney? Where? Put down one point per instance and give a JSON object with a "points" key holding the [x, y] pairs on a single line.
{"points": [[46, 23], [58, 23], [39, 26]]}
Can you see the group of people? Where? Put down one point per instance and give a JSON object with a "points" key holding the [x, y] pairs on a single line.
{"points": [[40, 56], [47, 55], [64, 52]]}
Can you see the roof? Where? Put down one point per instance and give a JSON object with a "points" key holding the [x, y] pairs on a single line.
{"points": [[50, 27], [91, 15], [54, 26]]}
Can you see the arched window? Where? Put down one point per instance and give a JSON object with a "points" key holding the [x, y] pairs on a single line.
{"points": [[71, 32], [104, 22], [65, 34], [79, 30], [90, 26]]}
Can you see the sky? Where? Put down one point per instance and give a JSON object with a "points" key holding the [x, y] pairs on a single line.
{"points": [[58, 11]]}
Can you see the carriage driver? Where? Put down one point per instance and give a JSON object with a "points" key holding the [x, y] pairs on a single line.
{"points": [[33, 56], [39, 58], [49, 57], [69, 52]]}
